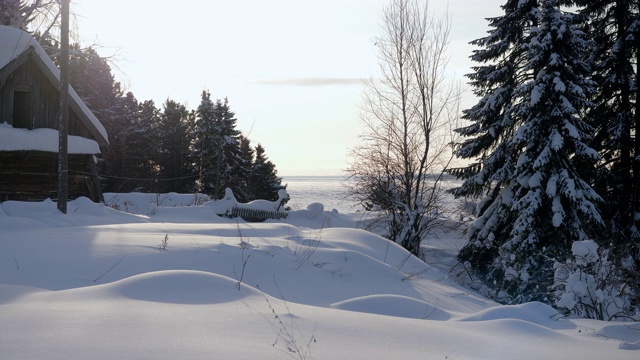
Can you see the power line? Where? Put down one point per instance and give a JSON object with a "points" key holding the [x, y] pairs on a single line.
{"points": [[135, 179]]}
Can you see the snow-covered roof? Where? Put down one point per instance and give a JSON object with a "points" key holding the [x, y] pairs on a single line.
{"points": [[42, 140], [14, 42]]}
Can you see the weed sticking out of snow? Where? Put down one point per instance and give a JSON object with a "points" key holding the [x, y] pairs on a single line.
{"points": [[164, 243]]}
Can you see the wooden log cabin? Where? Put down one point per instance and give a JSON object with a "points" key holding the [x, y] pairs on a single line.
{"points": [[29, 104]]}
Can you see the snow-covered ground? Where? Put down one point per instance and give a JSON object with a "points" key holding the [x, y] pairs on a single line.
{"points": [[179, 282]]}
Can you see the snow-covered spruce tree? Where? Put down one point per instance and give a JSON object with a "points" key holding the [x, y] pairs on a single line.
{"points": [[405, 112], [615, 27], [92, 79], [218, 158], [264, 182], [235, 170], [142, 143], [203, 142], [247, 154], [174, 157], [119, 125], [537, 202], [611, 24], [503, 58]]}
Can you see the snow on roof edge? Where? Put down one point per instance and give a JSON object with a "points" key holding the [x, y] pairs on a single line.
{"points": [[42, 139]]}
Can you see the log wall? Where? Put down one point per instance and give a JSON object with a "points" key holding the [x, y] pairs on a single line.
{"points": [[33, 176]]}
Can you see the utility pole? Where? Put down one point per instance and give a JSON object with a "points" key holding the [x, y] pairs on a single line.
{"points": [[63, 113]]}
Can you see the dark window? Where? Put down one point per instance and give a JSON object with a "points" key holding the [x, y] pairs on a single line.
{"points": [[22, 110]]}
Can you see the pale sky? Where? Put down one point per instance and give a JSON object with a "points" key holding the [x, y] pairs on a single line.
{"points": [[291, 69]]}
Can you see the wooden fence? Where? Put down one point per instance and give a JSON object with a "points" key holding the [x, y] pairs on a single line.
{"points": [[253, 215]]}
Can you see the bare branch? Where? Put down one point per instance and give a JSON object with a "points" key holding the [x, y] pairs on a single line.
{"points": [[408, 116]]}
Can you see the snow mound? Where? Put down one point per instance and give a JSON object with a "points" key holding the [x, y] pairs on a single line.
{"points": [[9, 292], [620, 331], [533, 320], [393, 305], [533, 312], [20, 209], [43, 214], [84, 206], [313, 211], [142, 203], [182, 287], [630, 346]]}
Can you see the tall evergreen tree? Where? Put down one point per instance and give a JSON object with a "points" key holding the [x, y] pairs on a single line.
{"points": [[264, 181], [130, 159], [503, 57], [533, 150], [91, 77], [218, 147], [143, 142], [203, 144], [612, 25], [615, 27], [116, 165], [176, 172], [247, 155]]}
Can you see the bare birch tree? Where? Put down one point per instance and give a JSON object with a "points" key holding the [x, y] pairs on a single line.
{"points": [[408, 114]]}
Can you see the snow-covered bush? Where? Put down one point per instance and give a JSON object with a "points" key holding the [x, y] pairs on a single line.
{"points": [[590, 286]]}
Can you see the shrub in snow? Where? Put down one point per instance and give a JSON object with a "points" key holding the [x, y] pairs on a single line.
{"points": [[590, 286], [517, 277]]}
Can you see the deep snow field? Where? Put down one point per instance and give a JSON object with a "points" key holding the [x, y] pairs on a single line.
{"points": [[179, 282]]}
